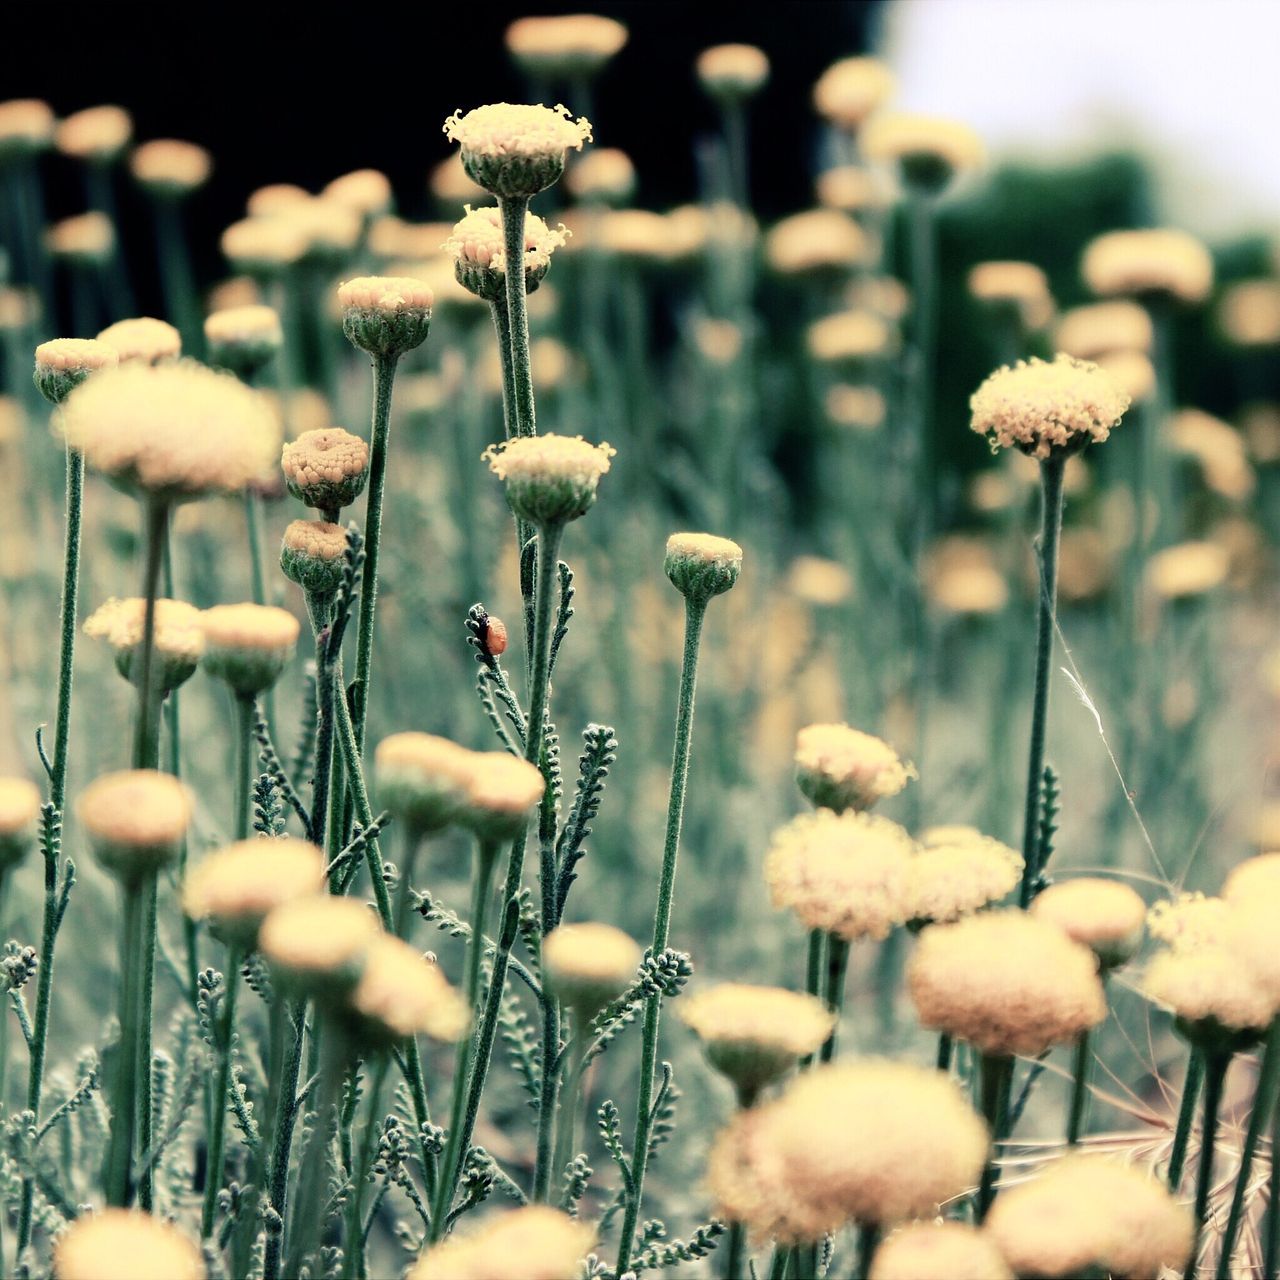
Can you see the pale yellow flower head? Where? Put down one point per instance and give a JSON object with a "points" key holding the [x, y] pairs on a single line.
{"points": [[391, 237], [1152, 260], [961, 576], [848, 337], [868, 1141], [1187, 569], [329, 230], [248, 645], [1218, 449], [603, 174], [386, 315], [569, 45], [177, 430], [845, 873], [848, 91], [702, 565], [957, 872], [816, 242], [842, 768], [1042, 406], [1131, 371], [477, 247], [1190, 921], [928, 151], [549, 479], [851, 188], [20, 307], [26, 126], [64, 363], [169, 166], [20, 802], [125, 1244], [587, 965], [1104, 327], [263, 245], [401, 994], [364, 191], [951, 1249], [1249, 313], [1020, 286], [239, 885], [502, 792], [86, 238], [1211, 991], [732, 71], [311, 554], [1253, 880], [327, 468], [318, 944], [1087, 1214], [177, 644], [275, 197], [819, 581], [754, 1035], [1006, 982], [143, 340], [516, 149], [243, 338], [422, 779], [531, 1243], [135, 820], [96, 133], [860, 407], [1107, 916]]}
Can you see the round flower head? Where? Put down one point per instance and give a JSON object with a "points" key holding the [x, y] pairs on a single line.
{"points": [[326, 469], [842, 768], [1253, 880], [177, 430], [125, 1244], [962, 576], [952, 1249], [849, 338], [732, 72], [574, 46], [95, 134], [135, 821], [63, 364], [1087, 1215], [957, 873], [312, 555], [365, 191], [1187, 570], [929, 152], [870, 1141], [755, 1035], [819, 242], [26, 127], [401, 994], [863, 408], [1132, 372], [451, 185], [1249, 313], [700, 565], [821, 582], [1190, 921], [170, 168], [604, 175], [385, 315], [20, 803], [848, 91], [850, 188], [1006, 982], [516, 150], [317, 945], [276, 198], [549, 479], [1159, 261], [480, 259], [842, 873], [248, 645], [1106, 916], [143, 340], [587, 965], [177, 638], [243, 339], [239, 885], [532, 1243], [1020, 289], [1103, 328], [329, 230], [501, 794], [1218, 449], [1217, 1002], [88, 239], [1043, 407], [263, 246], [422, 780]]}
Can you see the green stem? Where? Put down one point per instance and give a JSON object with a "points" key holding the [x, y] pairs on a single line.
{"points": [[384, 373], [353, 1251], [695, 612], [1082, 1062], [523, 418], [946, 1048], [404, 888], [996, 1075], [868, 1242], [735, 1253], [177, 281], [286, 1113], [571, 1099], [246, 715], [1271, 1243], [837, 965], [1264, 1099], [253, 529], [221, 1090], [1051, 472], [1186, 1114], [814, 970], [1215, 1074]]}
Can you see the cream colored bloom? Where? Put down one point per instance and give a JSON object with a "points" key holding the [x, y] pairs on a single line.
{"points": [[170, 165], [365, 191], [26, 125], [452, 185], [1151, 260], [274, 198], [819, 240], [851, 188], [514, 149], [1021, 285], [842, 768], [928, 150], [241, 883], [1107, 916], [574, 44], [501, 793], [1253, 880], [400, 994], [135, 820], [384, 293], [177, 637], [1131, 371], [702, 565], [962, 577], [248, 645], [326, 469], [862, 408], [587, 965], [1039, 406], [957, 872], [735, 70], [1210, 988], [951, 1249], [125, 1244], [819, 581], [1249, 313], [1190, 921], [850, 336], [531, 1243], [848, 91], [143, 340], [63, 363], [1006, 982], [20, 802], [87, 237], [604, 173], [242, 325], [422, 779], [318, 937], [263, 245], [478, 248], [1219, 451], [549, 478], [1102, 328], [96, 133], [1187, 569]]}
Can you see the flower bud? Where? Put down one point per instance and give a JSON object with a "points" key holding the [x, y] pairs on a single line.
{"points": [[588, 965], [423, 780], [400, 994], [502, 793], [19, 810], [243, 339], [316, 946], [96, 134], [64, 363], [312, 555], [177, 638], [86, 240], [385, 315], [516, 150], [326, 469], [479, 252], [549, 479], [732, 72], [143, 340], [170, 168], [574, 46], [842, 768], [700, 565], [928, 152], [136, 821], [26, 128], [248, 645]]}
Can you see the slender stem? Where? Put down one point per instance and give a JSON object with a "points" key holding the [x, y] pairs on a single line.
{"points": [[1082, 1062], [1051, 472], [545, 594], [146, 735], [1215, 1074], [735, 1253], [1186, 1114], [253, 528], [117, 1181], [246, 715], [571, 1098], [350, 748], [182, 300], [384, 373], [221, 1090], [996, 1075], [282, 1132], [353, 1251], [946, 1048], [814, 970], [146, 1177], [837, 965], [523, 418], [1264, 1099], [1271, 1243], [695, 612], [868, 1242]]}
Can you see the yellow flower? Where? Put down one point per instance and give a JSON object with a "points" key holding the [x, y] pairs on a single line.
{"points": [[1218, 448], [423, 780], [124, 1244], [401, 994], [26, 126], [850, 336], [549, 479], [928, 151], [1210, 990], [263, 245], [1106, 916], [386, 315], [1152, 260], [171, 167], [178, 637], [243, 338], [64, 363], [326, 469], [20, 803], [819, 241], [1249, 313], [532, 1243], [248, 645], [842, 768], [240, 884], [848, 91], [96, 133], [962, 577], [575, 45], [143, 339], [587, 965], [851, 188], [501, 793], [951, 1249], [365, 191], [135, 820], [515, 149], [1190, 921], [604, 173], [86, 238], [1187, 569], [701, 565], [1103, 328], [957, 872], [275, 197], [478, 249], [318, 944], [1020, 285], [732, 71]]}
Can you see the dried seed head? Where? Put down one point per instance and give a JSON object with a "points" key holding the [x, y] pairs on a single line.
{"points": [[587, 965], [531, 1243], [248, 645], [135, 820], [169, 167], [386, 315], [177, 638], [64, 363], [327, 469], [952, 1249], [501, 794], [143, 340], [842, 768], [124, 1244], [401, 994], [311, 554], [549, 479], [423, 780], [701, 565], [1156, 260], [95, 134], [1106, 916], [513, 149]]}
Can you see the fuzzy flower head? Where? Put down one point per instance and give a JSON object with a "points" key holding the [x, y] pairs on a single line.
{"points": [[962, 577], [312, 554], [1016, 289], [248, 645], [263, 246], [531, 1243], [929, 152], [701, 565], [604, 175], [732, 72], [851, 188], [20, 803], [842, 768], [952, 1249], [549, 479], [87, 239], [816, 243], [26, 127], [588, 965], [177, 643], [1158, 261], [241, 884], [96, 134], [125, 1244], [170, 168], [327, 469], [401, 994], [850, 338], [1253, 880], [1106, 916], [479, 253], [317, 945], [849, 90], [1187, 571], [842, 873], [135, 821], [423, 780], [1087, 1215], [143, 340], [1103, 328], [1218, 449], [869, 1141], [516, 150], [1047, 407], [243, 339], [176, 431], [1190, 921], [959, 873], [755, 1035], [386, 315], [1216, 1000], [64, 363], [502, 792], [572, 46], [366, 192], [1005, 982]]}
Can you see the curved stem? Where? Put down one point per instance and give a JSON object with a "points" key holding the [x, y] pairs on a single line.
{"points": [[221, 1089], [1186, 1114], [695, 612]]}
